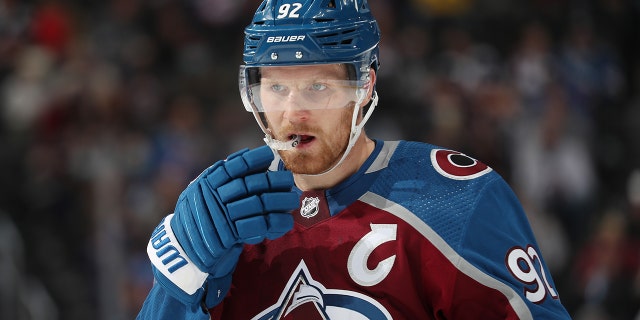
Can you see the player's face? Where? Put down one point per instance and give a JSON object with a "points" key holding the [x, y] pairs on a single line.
{"points": [[308, 102]]}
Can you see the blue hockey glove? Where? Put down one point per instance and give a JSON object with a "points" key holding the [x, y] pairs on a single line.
{"points": [[233, 202]]}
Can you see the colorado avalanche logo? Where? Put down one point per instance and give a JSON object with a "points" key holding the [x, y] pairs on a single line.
{"points": [[305, 298], [309, 207], [456, 165]]}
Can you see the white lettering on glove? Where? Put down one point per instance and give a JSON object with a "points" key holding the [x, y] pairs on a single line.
{"points": [[169, 258]]}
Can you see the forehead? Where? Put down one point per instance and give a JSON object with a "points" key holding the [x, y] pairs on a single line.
{"points": [[324, 71]]}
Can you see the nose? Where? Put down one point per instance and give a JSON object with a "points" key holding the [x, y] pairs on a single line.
{"points": [[294, 108]]}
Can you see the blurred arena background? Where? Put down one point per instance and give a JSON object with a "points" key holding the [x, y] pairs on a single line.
{"points": [[109, 108]]}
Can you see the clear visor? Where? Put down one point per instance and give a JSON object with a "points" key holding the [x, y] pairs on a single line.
{"points": [[270, 94]]}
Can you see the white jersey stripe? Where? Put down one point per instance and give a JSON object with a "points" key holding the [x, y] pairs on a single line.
{"points": [[518, 305]]}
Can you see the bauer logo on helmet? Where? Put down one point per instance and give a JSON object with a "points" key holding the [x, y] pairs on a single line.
{"points": [[285, 38]]}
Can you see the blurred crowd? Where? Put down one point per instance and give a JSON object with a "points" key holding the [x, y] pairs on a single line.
{"points": [[109, 108]]}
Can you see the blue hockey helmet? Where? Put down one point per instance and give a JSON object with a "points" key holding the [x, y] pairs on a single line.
{"points": [[311, 32], [300, 32]]}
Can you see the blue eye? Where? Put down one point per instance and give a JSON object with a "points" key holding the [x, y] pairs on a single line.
{"points": [[277, 87], [318, 86]]}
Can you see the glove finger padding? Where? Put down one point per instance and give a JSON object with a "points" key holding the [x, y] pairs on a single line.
{"points": [[278, 224], [255, 229], [272, 181], [238, 164], [223, 182], [233, 202], [247, 161]]}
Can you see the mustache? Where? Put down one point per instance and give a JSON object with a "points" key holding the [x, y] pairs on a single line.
{"points": [[293, 128]]}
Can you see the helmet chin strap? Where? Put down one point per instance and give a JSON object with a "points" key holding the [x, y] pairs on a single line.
{"points": [[356, 130]]}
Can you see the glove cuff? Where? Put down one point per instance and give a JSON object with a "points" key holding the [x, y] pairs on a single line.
{"points": [[216, 290], [169, 260]]}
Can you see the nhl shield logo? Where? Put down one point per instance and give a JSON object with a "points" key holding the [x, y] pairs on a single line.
{"points": [[310, 207]]}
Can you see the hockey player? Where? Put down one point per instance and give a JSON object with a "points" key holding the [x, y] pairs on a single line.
{"points": [[327, 223]]}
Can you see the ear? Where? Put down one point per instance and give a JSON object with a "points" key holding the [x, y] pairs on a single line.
{"points": [[372, 85]]}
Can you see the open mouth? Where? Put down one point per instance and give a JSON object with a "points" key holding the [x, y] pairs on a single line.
{"points": [[304, 138]]}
